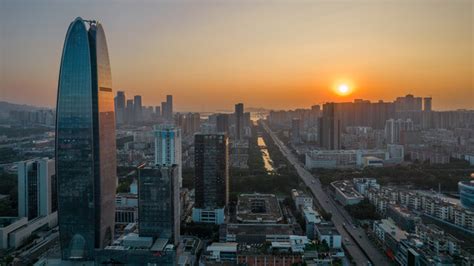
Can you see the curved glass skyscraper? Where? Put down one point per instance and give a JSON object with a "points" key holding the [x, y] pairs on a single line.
{"points": [[85, 143]]}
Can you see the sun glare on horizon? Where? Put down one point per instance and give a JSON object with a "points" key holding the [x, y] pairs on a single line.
{"points": [[343, 89]]}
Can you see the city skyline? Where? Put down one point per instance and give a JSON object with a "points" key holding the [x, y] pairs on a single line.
{"points": [[329, 172], [278, 56]]}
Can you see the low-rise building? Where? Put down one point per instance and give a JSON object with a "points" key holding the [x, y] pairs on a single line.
{"points": [[311, 218], [301, 199], [402, 217], [328, 233], [363, 184], [256, 233], [349, 158], [258, 208], [372, 161], [221, 252], [133, 249], [345, 193], [437, 240], [126, 208], [15, 231], [390, 235]]}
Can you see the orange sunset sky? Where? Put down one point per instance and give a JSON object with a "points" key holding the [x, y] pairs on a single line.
{"points": [[273, 54]]}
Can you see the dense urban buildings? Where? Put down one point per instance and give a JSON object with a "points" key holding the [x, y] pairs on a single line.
{"points": [[85, 143], [138, 179], [211, 156]]}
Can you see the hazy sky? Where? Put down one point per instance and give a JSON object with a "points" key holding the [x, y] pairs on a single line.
{"points": [[275, 54]]}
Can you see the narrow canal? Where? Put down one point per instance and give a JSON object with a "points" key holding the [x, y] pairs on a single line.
{"points": [[268, 163]]}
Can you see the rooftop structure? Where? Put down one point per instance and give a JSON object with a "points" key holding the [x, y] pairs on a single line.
{"points": [[345, 192], [258, 208], [363, 184], [327, 232], [134, 249], [386, 227], [256, 233], [301, 199]]}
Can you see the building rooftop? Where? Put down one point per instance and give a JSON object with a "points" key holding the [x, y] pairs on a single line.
{"points": [[259, 229], [160, 244], [298, 193], [392, 229], [346, 188], [258, 208], [372, 158], [327, 228], [311, 215], [402, 211], [223, 247]]}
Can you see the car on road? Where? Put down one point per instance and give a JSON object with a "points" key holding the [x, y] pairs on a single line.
{"points": [[312, 181]]}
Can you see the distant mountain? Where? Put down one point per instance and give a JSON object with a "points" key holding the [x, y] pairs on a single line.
{"points": [[6, 107]]}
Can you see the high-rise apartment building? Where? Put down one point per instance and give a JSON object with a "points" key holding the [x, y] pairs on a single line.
{"points": [[137, 108], [158, 202], [211, 165], [169, 106], [239, 120], [164, 110], [393, 128], [120, 107], [85, 143], [408, 103], [129, 112], [427, 104], [192, 123], [222, 123], [330, 128], [36, 188], [157, 111], [296, 128], [168, 148]]}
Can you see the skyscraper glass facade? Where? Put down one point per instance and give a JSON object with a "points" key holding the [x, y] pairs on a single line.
{"points": [[211, 170], [85, 143], [158, 202]]}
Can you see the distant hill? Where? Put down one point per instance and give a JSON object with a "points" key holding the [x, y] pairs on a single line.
{"points": [[6, 107]]}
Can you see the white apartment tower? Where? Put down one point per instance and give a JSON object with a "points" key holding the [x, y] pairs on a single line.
{"points": [[168, 148], [36, 188], [394, 127]]}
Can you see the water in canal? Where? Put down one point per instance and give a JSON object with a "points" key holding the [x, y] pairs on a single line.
{"points": [[267, 161]]}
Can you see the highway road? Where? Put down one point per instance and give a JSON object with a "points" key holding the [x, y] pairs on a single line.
{"points": [[354, 239]]}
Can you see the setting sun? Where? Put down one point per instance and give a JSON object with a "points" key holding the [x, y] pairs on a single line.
{"points": [[343, 89]]}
